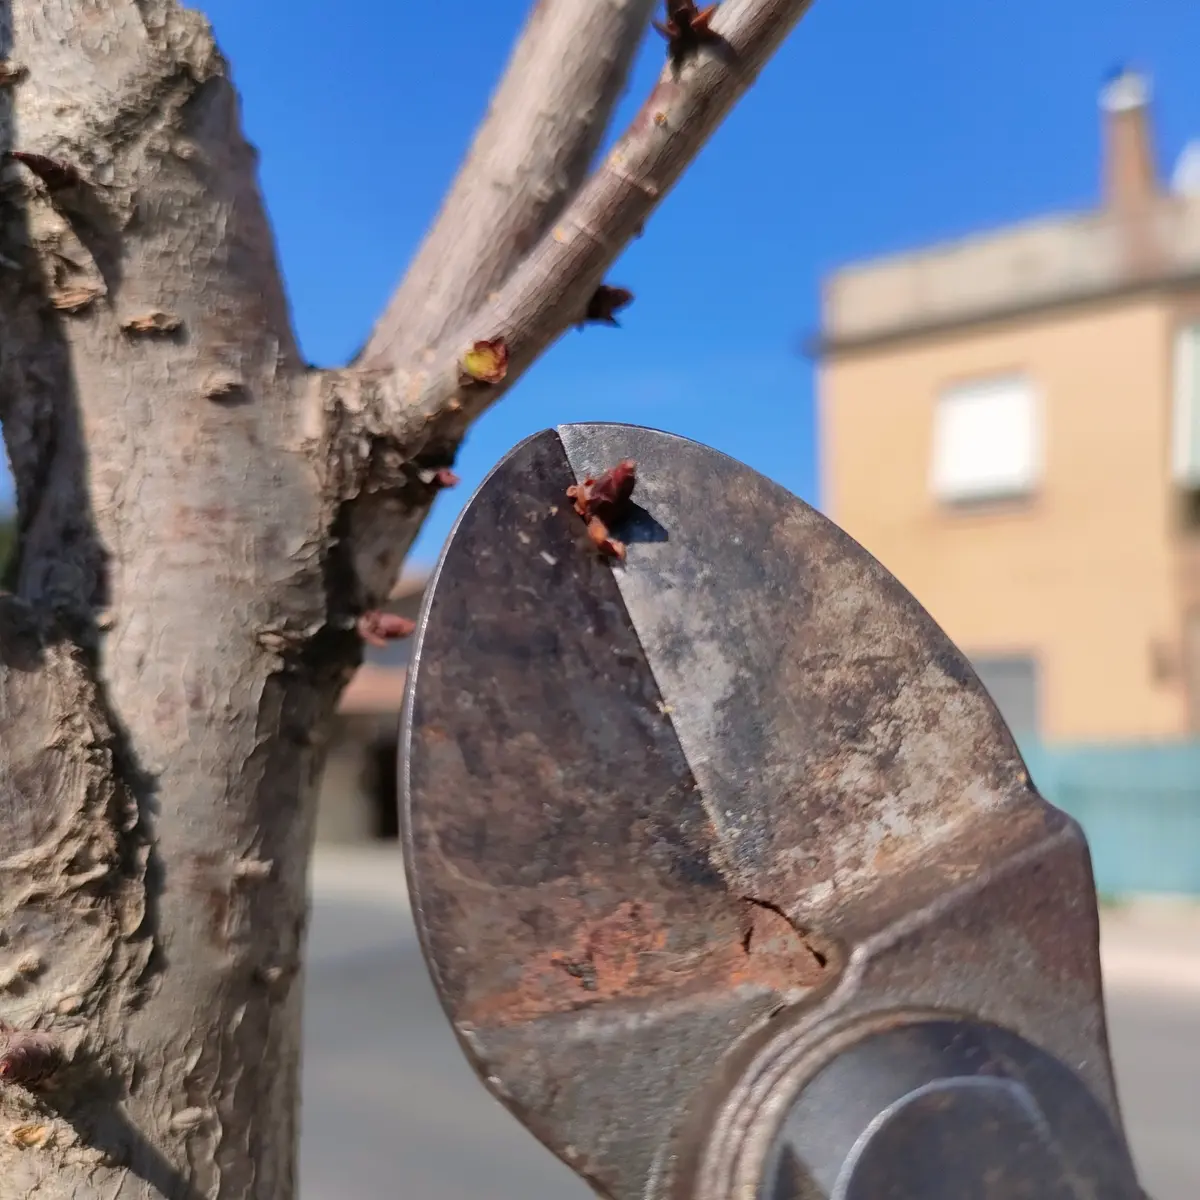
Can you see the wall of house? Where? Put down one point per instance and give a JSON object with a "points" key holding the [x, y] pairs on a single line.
{"points": [[1085, 574], [357, 797], [358, 794], [1187, 312], [345, 812]]}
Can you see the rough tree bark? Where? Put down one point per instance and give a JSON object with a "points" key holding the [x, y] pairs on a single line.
{"points": [[203, 518]]}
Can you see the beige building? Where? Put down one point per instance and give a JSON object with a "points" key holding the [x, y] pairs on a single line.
{"points": [[1011, 424]]}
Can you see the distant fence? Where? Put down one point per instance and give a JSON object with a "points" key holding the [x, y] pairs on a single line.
{"points": [[1139, 806]]}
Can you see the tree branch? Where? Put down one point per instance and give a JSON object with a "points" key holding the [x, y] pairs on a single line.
{"points": [[544, 125], [426, 410]]}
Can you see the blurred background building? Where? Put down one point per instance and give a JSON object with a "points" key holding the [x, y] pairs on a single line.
{"points": [[1011, 424], [359, 788]]}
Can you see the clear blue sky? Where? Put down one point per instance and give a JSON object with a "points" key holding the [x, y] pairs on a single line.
{"points": [[881, 125]]}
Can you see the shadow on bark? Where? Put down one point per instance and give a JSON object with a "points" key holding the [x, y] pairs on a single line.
{"points": [[102, 1125], [60, 566]]}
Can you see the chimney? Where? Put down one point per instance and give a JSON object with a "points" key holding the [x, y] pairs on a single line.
{"points": [[1130, 178]]}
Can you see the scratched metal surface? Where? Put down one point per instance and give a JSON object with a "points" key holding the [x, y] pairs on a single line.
{"points": [[800, 672], [650, 806]]}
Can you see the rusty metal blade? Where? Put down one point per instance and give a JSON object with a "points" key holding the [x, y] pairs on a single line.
{"points": [[649, 806]]}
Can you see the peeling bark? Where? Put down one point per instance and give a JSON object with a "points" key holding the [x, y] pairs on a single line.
{"points": [[202, 521], [76, 918]]}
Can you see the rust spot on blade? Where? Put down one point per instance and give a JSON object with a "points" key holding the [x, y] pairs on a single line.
{"points": [[606, 959], [631, 953]]}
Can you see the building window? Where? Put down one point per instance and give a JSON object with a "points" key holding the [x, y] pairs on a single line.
{"points": [[1185, 448], [987, 441], [1012, 682]]}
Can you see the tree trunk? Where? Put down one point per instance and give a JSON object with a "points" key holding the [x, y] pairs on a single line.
{"points": [[202, 520]]}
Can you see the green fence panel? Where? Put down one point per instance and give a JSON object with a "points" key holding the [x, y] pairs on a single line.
{"points": [[1139, 806]]}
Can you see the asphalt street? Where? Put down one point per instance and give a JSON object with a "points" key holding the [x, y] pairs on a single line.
{"points": [[391, 1110]]}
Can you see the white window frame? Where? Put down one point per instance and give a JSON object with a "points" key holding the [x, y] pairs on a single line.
{"points": [[954, 492], [1185, 426]]}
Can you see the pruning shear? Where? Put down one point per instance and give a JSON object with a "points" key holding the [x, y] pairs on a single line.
{"points": [[729, 874]]}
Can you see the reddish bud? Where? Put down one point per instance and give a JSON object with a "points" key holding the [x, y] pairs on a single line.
{"points": [[607, 495], [604, 501], [486, 362], [378, 628]]}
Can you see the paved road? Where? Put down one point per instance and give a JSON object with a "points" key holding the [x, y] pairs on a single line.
{"points": [[391, 1109]]}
